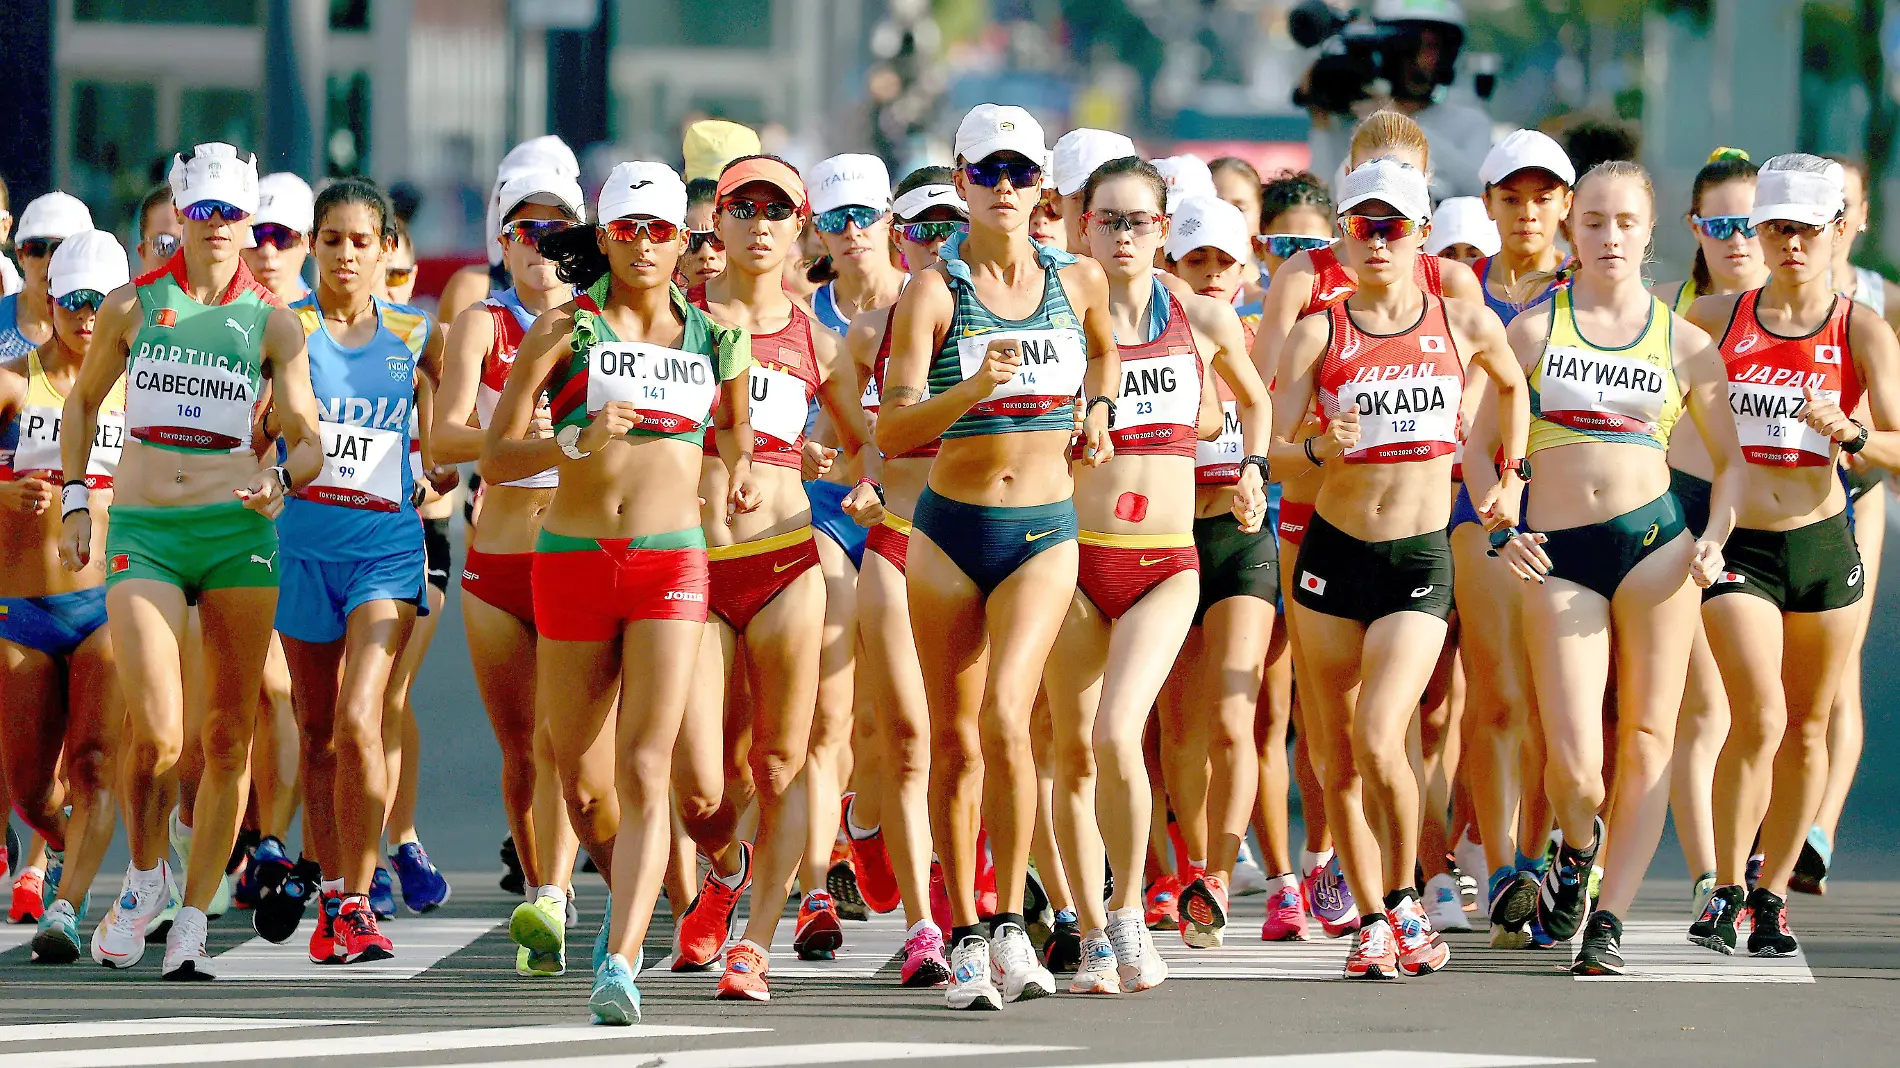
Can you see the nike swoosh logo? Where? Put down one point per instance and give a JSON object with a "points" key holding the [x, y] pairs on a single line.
{"points": [[934, 194], [1145, 562], [1038, 537], [780, 568]]}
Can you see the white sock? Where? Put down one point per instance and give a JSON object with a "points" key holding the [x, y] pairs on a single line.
{"points": [[1309, 861], [552, 891], [146, 879], [331, 886], [919, 927], [1198, 865], [405, 838], [1280, 882], [23, 871]]}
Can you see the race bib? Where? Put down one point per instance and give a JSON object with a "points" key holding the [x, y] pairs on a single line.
{"points": [[672, 389], [362, 468], [1050, 376], [1159, 390], [39, 444], [870, 398], [188, 405], [1403, 419], [777, 410], [1768, 422], [1599, 391], [1218, 461]]}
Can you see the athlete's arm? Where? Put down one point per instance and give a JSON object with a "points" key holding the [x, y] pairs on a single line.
{"points": [[17, 494], [1210, 420], [106, 358], [296, 405], [1876, 357], [1217, 321], [1298, 383], [469, 341], [1492, 350], [508, 454], [907, 419], [1459, 281], [839, 391], [732, 434], [1087, 289], [1700, 369], [463, 288], [1292, 287]]}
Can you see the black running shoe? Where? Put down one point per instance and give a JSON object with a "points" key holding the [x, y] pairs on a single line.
{"points": [[1515, 900], [1810, 868], [1715, 928], [842, 883], [1038, 917], [1768, 934], [280, 910], [1564, 899], [513, 880], [1602, 952], [1063, 951]]}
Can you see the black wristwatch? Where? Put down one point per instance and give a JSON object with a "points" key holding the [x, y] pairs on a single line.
{"points": [[1093, 401], [1855, 444], [1260, 462], [1521, 465]]}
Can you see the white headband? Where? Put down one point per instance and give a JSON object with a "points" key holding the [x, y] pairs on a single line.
{"points": [[925, 197]]}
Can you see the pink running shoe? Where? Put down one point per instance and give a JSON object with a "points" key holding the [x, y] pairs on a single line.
{"points": [[939, 897], [1286, 916], [924, 962], [1331, 899]]}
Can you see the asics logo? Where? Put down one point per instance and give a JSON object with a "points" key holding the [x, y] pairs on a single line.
{"points": [[270, 563], [1853, 577], [1649, 537], [1421, 592], [233, 324], [1748, 343], [1351, 348]]}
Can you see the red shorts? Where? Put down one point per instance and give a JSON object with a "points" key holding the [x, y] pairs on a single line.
{"points": [[1294, 519], [504, 580], [589, 596], [891, 540], [1116, 570], [746, 576]]}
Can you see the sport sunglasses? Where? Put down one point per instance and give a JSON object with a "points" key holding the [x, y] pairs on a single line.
{"points": [[38, 247], [1286, 246], [81, 300], [773, 210], [1384, 228], [276, 235], [1138, 223], [203, 210], [698, 239], [988, 172], [923, 233], [651, 229], [837, 220], [1722, 227], [529, 232]]}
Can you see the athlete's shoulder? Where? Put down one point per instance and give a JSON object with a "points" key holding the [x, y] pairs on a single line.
{"points": [[1864, 330], [1311, 330], [1530, 327], [1083, 269], [409, 323], [1458, 280], [1471, 317], [1207, 313], [1713, 312], [309, 316]]}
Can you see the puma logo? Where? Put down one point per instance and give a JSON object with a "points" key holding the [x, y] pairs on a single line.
{"points": [[233, 324], [270, 563], [1335, 293], [1038, 537]]}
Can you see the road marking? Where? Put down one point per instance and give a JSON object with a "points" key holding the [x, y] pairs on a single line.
{"points": [[291, 1050], [869, 947], [420, 945], [1245, 956], [13, 936], [1372, 1058], [1658, 951], [162, 1025], [778, 1056]]}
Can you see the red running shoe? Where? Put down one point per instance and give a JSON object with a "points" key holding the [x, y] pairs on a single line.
{"points": [[985, 883], [877, 880], [707, 924], [323, 941], [744, 980], [358, 939], [1162, 903], [818, 937], [27, 891]]}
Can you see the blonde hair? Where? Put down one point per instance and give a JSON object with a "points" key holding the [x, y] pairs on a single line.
{"points": [[1382, 131], [1622, 168]]}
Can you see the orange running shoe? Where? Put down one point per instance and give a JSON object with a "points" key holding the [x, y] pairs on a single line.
{"points": [[1374, 954], [707, 924], [1163, 906], [27, 891], [819, 937], [746, 967], [877, 880]]}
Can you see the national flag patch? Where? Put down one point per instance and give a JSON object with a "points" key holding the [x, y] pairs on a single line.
{"points": [[1730, 576], [165, 317], [119, 562], [1312, 583]]}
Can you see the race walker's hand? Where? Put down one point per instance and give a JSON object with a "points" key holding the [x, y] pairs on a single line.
{"points": [[32, 496], [816, 460], [1000, 363], [1524, 553], [1341, 436], [614, 419], [1498, 510], [541, 423], [1098, 443], [75, 540], [1824, 416], [1250, 500], [266, 493], [744, 496], [864, 506], [1707, 566]]}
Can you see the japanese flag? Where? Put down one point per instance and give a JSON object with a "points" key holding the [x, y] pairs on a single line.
{"points": [[1312, 583]]}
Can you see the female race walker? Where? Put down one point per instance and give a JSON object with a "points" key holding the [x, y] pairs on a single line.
{"points": [[62, 710], [620, 578], [1781, 617], [191, 521], [1373, 587], [1611, 371], [1138, 578], [990, 350]]}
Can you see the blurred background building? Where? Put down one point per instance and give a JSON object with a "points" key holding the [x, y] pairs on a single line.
{"points": [[431, 92]]}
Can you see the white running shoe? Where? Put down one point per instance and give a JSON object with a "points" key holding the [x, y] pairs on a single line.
{"points": [[1443, 905], [185, 956], [119, 940], [1248, 878], [574, 912], [1470, 858], [1013, 966], [1098, 972], [970, 986], [1136, 957]]}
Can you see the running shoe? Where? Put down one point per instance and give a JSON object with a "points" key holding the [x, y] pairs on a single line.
{"points": [[424, 889], [265, 870], [841, 882], [1752, 873], [1444, 904], [970, 985], [818, 936], [746, 968], [382, 894], [939, 897], [1467, 890], [325, 947], [1700, 892], [539, 927], [1248, 878], [707, 924], [1540, 938], [924, 963], [1602, 949], [1331, 899], [119, 940], [986, 905], [1768, 934], [1204, 913], [1098, 973], [57, 941], [1715, 928], [280, 904], [1014, 968], [513, 879], [162, 925], [615, 1000], [1564, 898], [1062, 952], [1810, 868], [573, 910], [1038, 918], [1161, 904], [1373, 955], [1421, 949], [877, 880], [600, 937], [1468, 858], [358, 939], [55, 868], [1513, 897], [28, 890], [185, 956], [221, 897], [1136, 957], [13, 848]]}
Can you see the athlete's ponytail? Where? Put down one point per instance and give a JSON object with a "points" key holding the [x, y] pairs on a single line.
{"points": [[576, 255], [1385, 130], [1725, 165]]}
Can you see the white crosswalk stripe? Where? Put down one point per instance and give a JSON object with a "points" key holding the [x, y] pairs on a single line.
{"points": [[868, 948], [420, 944], [13, 936], [1658, 951], [778, 1056], [1245, 956], [163, 1025]]}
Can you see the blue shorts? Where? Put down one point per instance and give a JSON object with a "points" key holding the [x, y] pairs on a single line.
{"points": [[315, 597], [55, 624], [987, 543], [1463, 511], [827, 514]]}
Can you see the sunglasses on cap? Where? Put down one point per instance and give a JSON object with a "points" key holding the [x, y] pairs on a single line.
{"points": [[38, 247], [923, 233], [773, 210], [988, 172], [398, 276], [205, 209], [276, 235], [81, 300], [1722, 227], [1286, 246], [698, 239], [529, 232], [1386, 228], [651, 229], [1138, 223], [163, 245], [837, 219]]}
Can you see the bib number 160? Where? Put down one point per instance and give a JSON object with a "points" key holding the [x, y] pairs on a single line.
{"points": [[190, 411]]}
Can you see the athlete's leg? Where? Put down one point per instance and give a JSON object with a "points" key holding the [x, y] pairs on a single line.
{"points": [[953, 653], [1497, 691], [275, 767], [236, 626], [503, 650], [1183, 723], [316, 670], [897, 685], [147, 620], [1700, 731], [1044, 848], [94, 717], [1439, 718], [1818, 645], [1073, 681], [708, 809], [1331, 650], [1272, 723], [1845, 727], [577, 685], [33, 729], [1567, 637], [1401, 652], [402, 741], [1237, 631], [833, 720], [191, 758]]}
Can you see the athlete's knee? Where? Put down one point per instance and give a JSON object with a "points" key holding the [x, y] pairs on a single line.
{"points": [[773, 770], [87, 767], [227, 743], [1117, 745], [1572, 782], [1074, 759], [1759, 729]]}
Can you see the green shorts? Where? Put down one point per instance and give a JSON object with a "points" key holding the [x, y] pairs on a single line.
{"points": [[209, 547]]}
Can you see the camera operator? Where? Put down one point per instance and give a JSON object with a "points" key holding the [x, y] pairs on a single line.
{"points": [[1402, 54]]}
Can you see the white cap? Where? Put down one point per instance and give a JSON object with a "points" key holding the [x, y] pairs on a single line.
{"points": [[1447, 11], [851, 178], [55, 215], [88, 259], [215, 171], [643, 188], [1389, 182], [992, 128], [554, 189], [1462, 221], [547, 153], [1797, 187], [1187, 176], [1523, 150], [1205, 220], [286, 199], [925, 197], [1079, 152]]}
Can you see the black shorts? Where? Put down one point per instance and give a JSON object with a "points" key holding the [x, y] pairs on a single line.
{"points": [[1340, 575], [1692, 494], [1235, 563], [1815, 568], [435, 543], [1599, 556]]}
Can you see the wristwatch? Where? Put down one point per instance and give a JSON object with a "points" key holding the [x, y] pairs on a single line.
{"points": [[1521, 465], [1257, 461], [568, 438], [1857, 442]]}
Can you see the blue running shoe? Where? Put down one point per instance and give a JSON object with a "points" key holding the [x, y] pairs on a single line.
{"points": [[606, 925], [382, 895], [57, 940], [615, 1000], [1540, 938], [424, 889], [55, 867]]}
